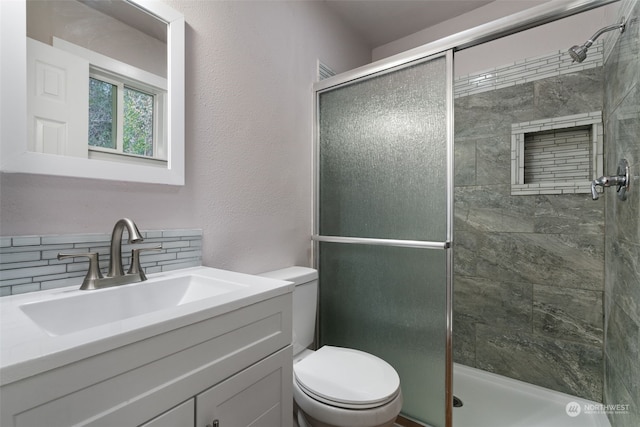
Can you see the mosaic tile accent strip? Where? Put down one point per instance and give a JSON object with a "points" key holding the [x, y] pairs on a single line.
{"points": [[540, 165], [526, 70], [29, 263]]}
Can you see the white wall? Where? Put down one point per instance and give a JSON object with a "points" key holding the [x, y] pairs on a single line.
{"points": [[250, 68]]}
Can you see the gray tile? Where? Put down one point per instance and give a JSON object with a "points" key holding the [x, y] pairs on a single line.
{"points": [[564, 366], [622, 279], [492, 208], [464, 339], [465, 253], [465, 163], [502, 305], [548, 259], [623, 348], [624, 128], [616, 393], [569, 314], [486, 114], [623, 276], [493, 159], [568, 214], [568, 94], [622, 67]]}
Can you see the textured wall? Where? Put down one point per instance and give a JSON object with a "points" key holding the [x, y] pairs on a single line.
{"points": [[529, 270], [250, 66], [622, 268]]}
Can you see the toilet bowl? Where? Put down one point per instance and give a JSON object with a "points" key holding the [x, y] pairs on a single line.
{"points": [[335, 386], [341, 387]]}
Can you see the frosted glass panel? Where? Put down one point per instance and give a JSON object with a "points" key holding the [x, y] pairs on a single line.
{"points": [[382, 165], [390, 302], [382, 159]]}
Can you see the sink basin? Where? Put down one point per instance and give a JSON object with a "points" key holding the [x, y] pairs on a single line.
{"points": [[88, 309], [52, 328]]}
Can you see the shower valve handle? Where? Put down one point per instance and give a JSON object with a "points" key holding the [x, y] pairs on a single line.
{"points": [[621, 180]]}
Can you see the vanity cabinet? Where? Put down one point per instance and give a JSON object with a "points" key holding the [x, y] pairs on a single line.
{"points": [[235, 367], [181, 415], [254, 397]]}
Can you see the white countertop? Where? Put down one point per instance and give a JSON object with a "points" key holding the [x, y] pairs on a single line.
{"points": [[26, 349]]}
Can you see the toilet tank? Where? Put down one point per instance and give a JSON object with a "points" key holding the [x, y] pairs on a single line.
{"points": [[305, 302]]}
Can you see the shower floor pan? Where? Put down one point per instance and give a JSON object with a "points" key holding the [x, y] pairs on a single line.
{"points": [[491, 400]]}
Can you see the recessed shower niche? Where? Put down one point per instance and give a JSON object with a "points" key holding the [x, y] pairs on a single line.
{"points": [[558, 155]]}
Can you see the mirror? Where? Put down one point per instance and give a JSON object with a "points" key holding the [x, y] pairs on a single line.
{"points": [[143, 59]]}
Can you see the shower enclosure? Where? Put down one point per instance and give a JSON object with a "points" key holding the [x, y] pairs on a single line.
{"points": [[383, 217]]}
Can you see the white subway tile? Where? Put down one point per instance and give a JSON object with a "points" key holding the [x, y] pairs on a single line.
{"points": [[26, 241], [21, 289]]}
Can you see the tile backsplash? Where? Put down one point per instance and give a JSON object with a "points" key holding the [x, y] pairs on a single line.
{"points": [[29, 263], [527, 70]]}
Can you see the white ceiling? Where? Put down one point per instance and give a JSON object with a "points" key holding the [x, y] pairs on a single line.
{"points": [[383, 21]]}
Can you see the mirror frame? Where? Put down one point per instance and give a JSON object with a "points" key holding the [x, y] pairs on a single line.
{"points": [[14, 156]]}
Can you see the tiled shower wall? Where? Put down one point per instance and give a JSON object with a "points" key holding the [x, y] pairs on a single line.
{"points": [[29, 263], [622, 242], [529, 269]]}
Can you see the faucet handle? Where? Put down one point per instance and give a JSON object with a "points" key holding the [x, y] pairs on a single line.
{"points": [[135, 267], [621, 179], [93, 274]]}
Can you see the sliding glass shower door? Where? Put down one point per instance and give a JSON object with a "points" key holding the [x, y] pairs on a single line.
{"points": [[384, 224]]}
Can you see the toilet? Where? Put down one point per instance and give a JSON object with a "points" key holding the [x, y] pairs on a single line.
{"points": [[335, 386]]}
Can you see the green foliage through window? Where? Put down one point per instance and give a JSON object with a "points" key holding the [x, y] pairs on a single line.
{"points": [[102, 114], [138, 122], [136, 131]]}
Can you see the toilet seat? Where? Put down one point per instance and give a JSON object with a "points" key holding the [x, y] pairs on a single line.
{"points": [[347, 378]]}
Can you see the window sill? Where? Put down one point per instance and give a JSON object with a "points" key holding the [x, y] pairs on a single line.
{"points": [[98, 154]]}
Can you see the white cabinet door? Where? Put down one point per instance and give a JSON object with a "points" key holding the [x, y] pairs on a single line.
{"points": [[258, 396], [180, 416]]}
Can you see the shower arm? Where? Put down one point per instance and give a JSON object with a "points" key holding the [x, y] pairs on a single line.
{"points": [[604, 30]]}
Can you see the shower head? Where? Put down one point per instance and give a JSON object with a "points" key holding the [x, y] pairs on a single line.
{"points": [[579, 53]]}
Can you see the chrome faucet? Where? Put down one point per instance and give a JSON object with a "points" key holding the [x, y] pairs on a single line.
{"points": [[116, 275], [115, 260], [620, 180]]}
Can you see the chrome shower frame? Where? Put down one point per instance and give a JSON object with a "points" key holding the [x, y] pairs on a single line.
{"points": [[499, 28]]}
